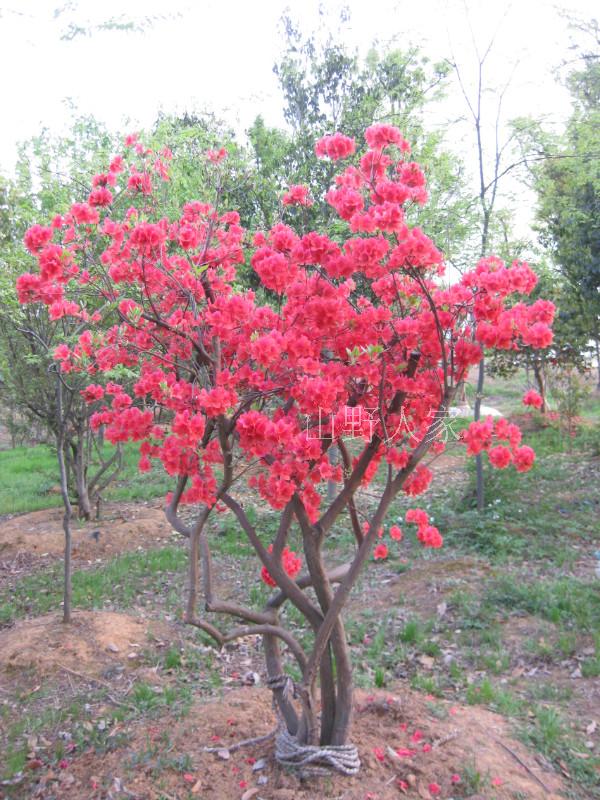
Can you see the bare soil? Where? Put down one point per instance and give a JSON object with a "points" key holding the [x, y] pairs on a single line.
{"points": [[123, 527], [91, 643], [466, 736], [425, 585]]}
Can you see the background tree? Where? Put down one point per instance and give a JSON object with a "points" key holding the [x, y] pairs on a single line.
{"points": [[50, 174], [492, 147], [569, 350], [564, 171], [191, 138], [326, 88]]}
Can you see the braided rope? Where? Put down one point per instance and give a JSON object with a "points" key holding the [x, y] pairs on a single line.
{"points": [[282, 682], [231, 748], [308, 759], [311, 759]]}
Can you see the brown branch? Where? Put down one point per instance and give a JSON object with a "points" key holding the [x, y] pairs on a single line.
{"points": [[351, 485], [286, 584], [207, 628], [354, 520], [235, 610], [390, 491], [271, 630], [171, 509], [304, 581]]}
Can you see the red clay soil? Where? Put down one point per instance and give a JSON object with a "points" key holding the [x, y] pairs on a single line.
{"points": [[93, 641], [435, 742], [124, 526]]}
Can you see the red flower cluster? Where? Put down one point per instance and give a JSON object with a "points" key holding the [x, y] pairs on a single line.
{"points": [[532, 398], [480, 436], [380, 552], [335, 146], [396, 533], [297, 195], [290, 562], [261, 389], [427, 534]]}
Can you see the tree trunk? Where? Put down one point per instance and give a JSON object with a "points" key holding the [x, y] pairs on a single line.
{"points": [[538, 373], [84, 504], [478, 457], [334, 457], [68, 589], [64, 489]]}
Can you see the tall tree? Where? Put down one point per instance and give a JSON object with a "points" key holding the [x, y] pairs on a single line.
{"points": [[566, 172], [491, 152], [326, 88]]}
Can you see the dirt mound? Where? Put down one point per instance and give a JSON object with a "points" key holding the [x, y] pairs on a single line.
{"points": [[93, 641], [425, 585], [123, 527], [437, 745]]}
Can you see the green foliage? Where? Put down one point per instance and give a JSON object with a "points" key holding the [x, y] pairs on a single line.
{"points": [[34, 480], [566, 173], [51, 173], [325, 88]]}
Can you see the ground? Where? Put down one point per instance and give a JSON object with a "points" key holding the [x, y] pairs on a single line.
{"points": [[122, 527], [150, 749], [479, 661]]}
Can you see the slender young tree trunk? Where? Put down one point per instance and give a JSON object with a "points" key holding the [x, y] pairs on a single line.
{"points": [[84, 505], [480, 488], [479, 480], [64, 489], [334, 457], [538, 373], [598, 362]]}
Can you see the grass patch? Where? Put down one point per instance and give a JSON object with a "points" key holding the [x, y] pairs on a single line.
{"points": [[33, 473], [500, 700], [550, 735], [569, 602], [34, 479], [120, 581]]}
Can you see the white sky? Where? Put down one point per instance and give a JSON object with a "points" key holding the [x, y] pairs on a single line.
{"points": [[218, 55]]}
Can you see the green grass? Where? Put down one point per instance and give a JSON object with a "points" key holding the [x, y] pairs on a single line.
{"points": [[411, 633], [30, 473], [34, 480], [568, 602], [501, 700], [514, 527], [550, 735], [118, 582]]}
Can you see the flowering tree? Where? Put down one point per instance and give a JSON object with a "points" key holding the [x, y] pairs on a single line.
{"points": [[360, 338], [49, 174]]}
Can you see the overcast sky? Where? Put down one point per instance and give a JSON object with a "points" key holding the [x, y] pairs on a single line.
{"points": [[219, 54]]}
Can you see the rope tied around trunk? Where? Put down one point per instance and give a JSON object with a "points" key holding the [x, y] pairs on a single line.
{"points": [[308, 759], [283, 682]]}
